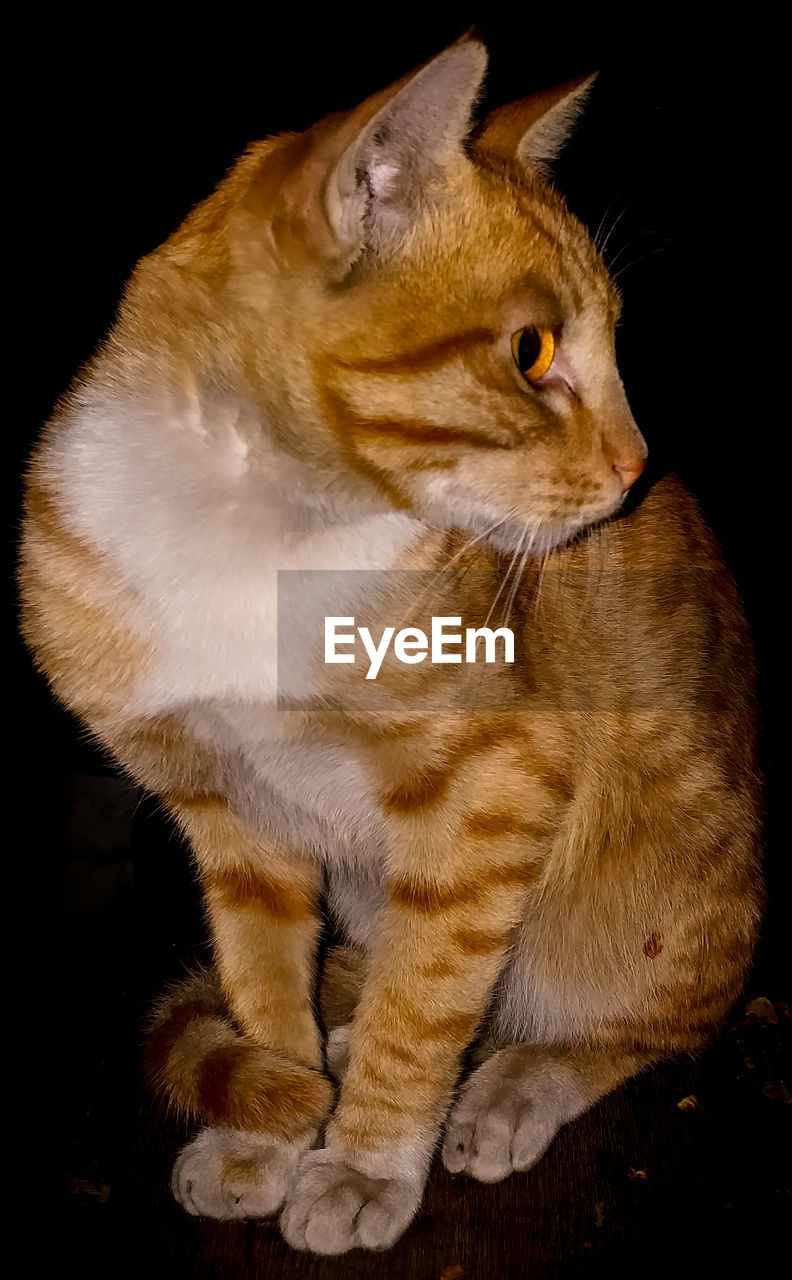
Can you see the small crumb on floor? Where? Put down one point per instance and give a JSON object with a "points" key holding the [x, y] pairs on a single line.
{"points": [[776, 1091], [762, 1010], [87, 1191]]}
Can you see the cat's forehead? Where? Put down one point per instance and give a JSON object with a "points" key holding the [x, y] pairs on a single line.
{"points": [[507, 239]]}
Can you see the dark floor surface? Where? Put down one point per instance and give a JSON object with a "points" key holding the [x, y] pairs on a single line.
{"points": [[639, 1186]]}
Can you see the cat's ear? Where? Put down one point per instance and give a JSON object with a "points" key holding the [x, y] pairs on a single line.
{"points": [[364, 173], [534, 130]]}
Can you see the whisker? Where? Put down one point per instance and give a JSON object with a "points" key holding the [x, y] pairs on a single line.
{"points": [[517, 580], [522, 551], [454, 560], [651, 254], [603, 220], [628, 244], [615, 224], [540, 582], [504, 580]]}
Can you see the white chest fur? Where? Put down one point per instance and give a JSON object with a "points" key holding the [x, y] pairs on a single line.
{"points": [[199, 516], [200, 531], [217, 618]]}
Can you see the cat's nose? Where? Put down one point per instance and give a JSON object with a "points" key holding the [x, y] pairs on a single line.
{"points": [[629, 469]]}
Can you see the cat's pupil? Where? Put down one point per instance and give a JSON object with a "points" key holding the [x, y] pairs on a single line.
{"points": [[528, 348]]}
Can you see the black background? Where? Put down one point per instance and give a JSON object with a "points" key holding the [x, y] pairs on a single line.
{"points": [[137, 123]]}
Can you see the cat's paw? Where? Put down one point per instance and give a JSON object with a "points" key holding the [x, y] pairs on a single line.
{"points": [[504, 1120], [225, 1173], [337, 1051], [334, 1207]]}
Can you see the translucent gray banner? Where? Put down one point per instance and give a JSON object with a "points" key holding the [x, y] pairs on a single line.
{"points": [[553, 639]]}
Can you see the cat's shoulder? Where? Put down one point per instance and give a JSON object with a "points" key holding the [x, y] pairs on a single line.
{"points": [[665, 524]]}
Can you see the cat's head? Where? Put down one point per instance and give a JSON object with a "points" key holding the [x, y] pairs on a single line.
{"points": [[448, 323]]}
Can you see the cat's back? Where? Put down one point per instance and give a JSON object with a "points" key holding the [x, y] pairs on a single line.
{"points": [[678, 580], [642, 614]]}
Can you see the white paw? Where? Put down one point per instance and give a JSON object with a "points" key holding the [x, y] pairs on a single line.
{"points": [[334, 1207], [503, 1122], [337, 1051], [224, 1173]]}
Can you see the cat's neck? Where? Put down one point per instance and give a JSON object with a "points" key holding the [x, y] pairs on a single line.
{"points": [[207, 481]]}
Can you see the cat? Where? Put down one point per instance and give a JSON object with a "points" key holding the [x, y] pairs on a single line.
{"points": [[384, 348]]}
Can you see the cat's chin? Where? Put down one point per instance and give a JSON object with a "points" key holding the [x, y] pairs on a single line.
{"points": [[516, 535], [516, 538]]}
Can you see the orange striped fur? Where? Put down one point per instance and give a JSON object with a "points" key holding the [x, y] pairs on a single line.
{"points": [[316, 371]]}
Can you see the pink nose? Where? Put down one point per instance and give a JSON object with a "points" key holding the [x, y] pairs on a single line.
{"points": [[628, 470]]}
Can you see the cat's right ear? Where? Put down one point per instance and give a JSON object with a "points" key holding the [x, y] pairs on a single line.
{"points": [[533, 131], [360, 177]]}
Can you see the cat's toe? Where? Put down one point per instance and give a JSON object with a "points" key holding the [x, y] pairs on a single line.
{"points": [[228, 1174], [334, 1207], [480, 1142], [497, 1127], [458, 1143], [532, 1136]]}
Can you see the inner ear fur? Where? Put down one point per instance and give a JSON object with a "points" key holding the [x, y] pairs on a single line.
{"points": [[359, 175]]}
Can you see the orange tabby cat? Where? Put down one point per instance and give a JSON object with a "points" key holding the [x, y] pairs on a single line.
{"points": [[386, 345]]}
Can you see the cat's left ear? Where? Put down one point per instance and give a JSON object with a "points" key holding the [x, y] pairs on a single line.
{"points": [[534, 130], [365, 173]]}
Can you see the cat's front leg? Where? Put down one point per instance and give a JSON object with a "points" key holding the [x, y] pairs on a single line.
{"points": [[470, 820], [442, 948], [256, 1078]]}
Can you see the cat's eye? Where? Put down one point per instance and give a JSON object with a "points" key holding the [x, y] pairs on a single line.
{"points": [[533, 350]]}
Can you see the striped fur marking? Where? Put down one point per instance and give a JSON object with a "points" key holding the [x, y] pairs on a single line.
{"points": [[425, 359], [288, 903], [430, 899]]}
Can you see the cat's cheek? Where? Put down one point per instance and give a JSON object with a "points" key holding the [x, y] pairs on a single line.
{"points": [[540, 527]]}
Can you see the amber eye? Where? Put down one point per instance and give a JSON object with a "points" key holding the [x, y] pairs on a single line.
{"points": [[533, 350]]}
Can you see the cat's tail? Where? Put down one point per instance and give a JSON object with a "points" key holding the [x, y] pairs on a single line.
{"points": [[208, 1071]]}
